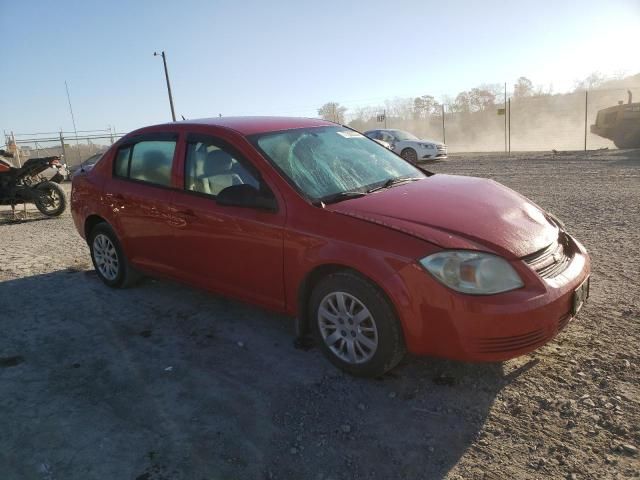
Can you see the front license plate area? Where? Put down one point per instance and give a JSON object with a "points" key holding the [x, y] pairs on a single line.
{"points": [[580, 296]]}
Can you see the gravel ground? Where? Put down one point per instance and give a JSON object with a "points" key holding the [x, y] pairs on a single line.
{"points": [[166, 382]]}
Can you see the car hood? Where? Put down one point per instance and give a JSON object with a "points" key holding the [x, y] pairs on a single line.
{"points": [[458, 212]]}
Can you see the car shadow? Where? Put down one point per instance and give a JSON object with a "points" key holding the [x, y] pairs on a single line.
{"points": [[165, 381]]}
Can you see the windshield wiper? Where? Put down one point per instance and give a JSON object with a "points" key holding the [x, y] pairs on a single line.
{"points": [[393, 182], [338, 197]]}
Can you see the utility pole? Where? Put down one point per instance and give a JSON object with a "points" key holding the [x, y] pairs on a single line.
{"points": [[166, 75], [509, 111], [505, 117], [586, 112], [444, 134], [64, 153]]}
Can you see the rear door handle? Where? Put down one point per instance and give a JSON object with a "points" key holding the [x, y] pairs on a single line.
{"points": [[185, 212], [116, 196]]}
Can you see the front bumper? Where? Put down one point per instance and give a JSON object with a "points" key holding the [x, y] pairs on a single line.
{"points": [[440, 152], [440, 322]]}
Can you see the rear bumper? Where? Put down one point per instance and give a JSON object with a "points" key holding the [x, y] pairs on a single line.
{"points": [[440, 322]]}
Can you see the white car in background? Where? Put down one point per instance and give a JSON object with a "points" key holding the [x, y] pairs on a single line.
{"points": [[408, 146], [383, 143]]}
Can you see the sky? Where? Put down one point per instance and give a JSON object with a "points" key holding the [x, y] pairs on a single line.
{"points": [[288, 57]]}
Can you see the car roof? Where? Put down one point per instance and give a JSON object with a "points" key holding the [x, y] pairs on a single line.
{"points": [[253, 125]]}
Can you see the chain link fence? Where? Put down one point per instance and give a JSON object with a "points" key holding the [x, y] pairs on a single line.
{"points": [[72, 147], [532, 123]]}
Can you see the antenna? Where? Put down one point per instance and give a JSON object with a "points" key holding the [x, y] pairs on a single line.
{"points": [[73, 120]]}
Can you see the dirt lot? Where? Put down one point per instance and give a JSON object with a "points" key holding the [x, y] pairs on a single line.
{"points": [[166, 382]]}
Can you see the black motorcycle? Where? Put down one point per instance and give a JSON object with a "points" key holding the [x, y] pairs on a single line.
{"points": [[27, 185]]}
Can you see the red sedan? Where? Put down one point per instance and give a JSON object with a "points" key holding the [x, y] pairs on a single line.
{"points": [[373, 256]]}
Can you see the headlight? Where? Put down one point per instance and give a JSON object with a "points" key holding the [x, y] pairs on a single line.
{"points": [[559, 223], [472, 272], [427, 145]]}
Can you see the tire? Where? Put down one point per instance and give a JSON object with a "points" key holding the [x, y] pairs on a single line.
{"points": [[627, 140], [367, 347], [52, 202], [410, 155], [109, 260]]}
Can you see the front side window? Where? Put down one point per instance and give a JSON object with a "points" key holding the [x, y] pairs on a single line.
{"points": [[147, 161], [387, 137], [402, 135], [210, 169], [325, 161], [376, 135]]}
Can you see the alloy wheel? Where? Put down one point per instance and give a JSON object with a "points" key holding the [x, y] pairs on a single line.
{"points": [[347, 327], [409, 155], [106, 257]]}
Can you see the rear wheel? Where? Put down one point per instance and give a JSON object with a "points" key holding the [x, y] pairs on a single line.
{"points": [[51, 200], [410, 155], [627, 140], [355, 325], [108, 258]]}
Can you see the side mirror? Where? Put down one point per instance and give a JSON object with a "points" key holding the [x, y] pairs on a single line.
{"points": [[246, 196]]}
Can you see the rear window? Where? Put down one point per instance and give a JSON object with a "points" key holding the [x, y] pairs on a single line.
{"points": [[146, 161]]}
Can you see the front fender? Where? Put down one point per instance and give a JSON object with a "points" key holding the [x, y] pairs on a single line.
{"points": [[364, 247]]}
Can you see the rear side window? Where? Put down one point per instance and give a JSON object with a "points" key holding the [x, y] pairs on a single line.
{"points": [[147, 161], [121, 168]]}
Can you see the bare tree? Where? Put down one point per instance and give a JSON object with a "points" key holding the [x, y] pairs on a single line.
{"points": [[523, 87], [595, 80], [425, 106], [399, 108], [462, 103], [332, 111], [481, 98], [541, 91], [362, 117]]}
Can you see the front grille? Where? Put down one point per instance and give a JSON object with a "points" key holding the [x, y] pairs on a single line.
{"points": [[508, 344], [529, 340], [552, 260]]}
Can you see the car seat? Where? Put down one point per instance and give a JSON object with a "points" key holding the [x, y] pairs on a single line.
{"points": [[217, 173]]}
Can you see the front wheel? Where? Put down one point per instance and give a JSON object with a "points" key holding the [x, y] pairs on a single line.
{"points": [[51, 199], [410, 155], [355, 326]]}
